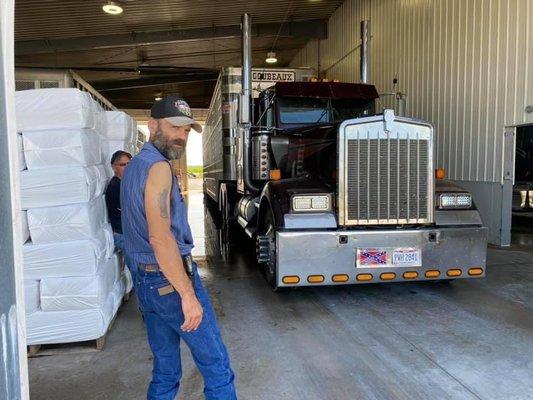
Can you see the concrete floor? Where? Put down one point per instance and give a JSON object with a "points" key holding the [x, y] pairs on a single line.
{"points": [[470, 339]]}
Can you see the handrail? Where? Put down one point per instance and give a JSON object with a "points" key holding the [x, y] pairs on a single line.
{"points": [[82, 84]]}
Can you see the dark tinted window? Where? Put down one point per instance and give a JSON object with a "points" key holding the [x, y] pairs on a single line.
{"points": [[302, 111]]}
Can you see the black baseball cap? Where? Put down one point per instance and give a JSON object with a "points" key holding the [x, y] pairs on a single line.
{"points": [[119, 153], [176, 111]]}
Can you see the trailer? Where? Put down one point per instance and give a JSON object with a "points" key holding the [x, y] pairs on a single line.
{"points": [[331, 192]]}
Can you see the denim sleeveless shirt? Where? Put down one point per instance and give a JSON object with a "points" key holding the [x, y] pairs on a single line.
{"points": [[134, 224]]}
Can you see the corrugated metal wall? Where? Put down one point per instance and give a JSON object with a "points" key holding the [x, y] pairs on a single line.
{"points": [[465, 65]]}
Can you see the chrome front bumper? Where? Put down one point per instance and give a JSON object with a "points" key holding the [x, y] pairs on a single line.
{"points": [[303, 257]]}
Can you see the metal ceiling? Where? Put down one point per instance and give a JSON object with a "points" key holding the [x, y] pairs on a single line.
{"points": [[160, 46], [38, 19]]}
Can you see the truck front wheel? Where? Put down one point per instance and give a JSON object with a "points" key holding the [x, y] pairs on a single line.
{"points": [[266, 249]]}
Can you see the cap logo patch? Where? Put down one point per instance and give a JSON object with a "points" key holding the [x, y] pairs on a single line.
{"points": [[183, 108]]}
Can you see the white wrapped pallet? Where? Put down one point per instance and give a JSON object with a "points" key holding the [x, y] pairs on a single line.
{"points": [[118, 295], [70, 222], [119, 126], [61, 147], [54, 108], [72, 258], [25, 226], [70, 326], [20, 146], [103, 179], [59, 186], [127, 280], [32, 296], [110, 146], [100, 120], [79, 292]]}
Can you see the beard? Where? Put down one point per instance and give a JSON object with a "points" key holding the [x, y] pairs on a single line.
{"points": [[171, 149]]}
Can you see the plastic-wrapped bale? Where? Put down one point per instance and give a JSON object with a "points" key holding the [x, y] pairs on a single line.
{"points": [[119, 126], [32, 296], [103, 179], [70, 222], [40, 109], [61, 147], [20, 146], [59, 186], [127, 280], [118, 295], [79, 292], [25, 232], [100, 120], [72, 258], [110, 146], [70, 326]]}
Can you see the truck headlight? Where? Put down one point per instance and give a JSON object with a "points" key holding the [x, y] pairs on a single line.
{"points": [[455, 200], [315, 202]]}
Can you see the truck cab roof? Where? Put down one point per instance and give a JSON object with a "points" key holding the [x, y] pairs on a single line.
{"points": [[327, 90]]}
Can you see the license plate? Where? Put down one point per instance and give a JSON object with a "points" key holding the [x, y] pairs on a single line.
{"points": [[409, 257]]}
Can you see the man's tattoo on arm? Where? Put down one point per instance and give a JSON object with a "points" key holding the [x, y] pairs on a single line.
{"points": [[163, 204]]}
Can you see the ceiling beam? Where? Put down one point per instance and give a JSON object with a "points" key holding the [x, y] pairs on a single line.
{"points": [[312, 29], [103, 86]]}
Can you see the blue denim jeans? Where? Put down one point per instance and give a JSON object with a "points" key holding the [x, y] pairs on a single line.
{"points": [[163, 316], [119, 244]]}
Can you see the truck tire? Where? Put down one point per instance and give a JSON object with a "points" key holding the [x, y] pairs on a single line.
{"points": [[268, 231]]}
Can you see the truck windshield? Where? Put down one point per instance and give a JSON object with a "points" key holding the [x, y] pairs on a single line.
{"points": [[303, 110]]}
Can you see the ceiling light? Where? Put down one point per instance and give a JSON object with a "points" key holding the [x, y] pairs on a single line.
{"points": [[271, 58], [112, 8]]}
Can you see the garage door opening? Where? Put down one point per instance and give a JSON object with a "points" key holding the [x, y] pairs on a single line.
{"points": [[194, 192], [522, 202]]}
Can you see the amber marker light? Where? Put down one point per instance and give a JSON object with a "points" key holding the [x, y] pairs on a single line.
{"points": [[364, 277], [475, 271], [454, 272], [340, 278], [275, 174], [410, 275], [387, 276], [315, 278], [433, 273], [291, 279], [440, 173]]}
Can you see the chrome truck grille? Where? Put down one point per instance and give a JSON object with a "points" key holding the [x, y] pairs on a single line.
{"points": [[385, 172]]}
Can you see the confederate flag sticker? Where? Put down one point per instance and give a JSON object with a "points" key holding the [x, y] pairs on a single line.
{"points": [[371, 258]]}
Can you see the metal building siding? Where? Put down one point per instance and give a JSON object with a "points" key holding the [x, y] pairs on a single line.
{"points": [[466, 66]]}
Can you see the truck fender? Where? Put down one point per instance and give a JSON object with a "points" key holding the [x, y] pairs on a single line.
{"points": [[269, 202]]}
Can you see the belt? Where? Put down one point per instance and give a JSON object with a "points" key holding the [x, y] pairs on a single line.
{"points": [[187, 265]]}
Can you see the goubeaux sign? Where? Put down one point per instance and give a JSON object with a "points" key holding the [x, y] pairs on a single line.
{"points": [[273, 75]]}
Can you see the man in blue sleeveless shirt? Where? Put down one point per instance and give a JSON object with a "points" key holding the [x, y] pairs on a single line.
{"points": [[158, 239]]}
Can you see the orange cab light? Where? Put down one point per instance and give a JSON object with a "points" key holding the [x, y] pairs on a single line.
{"points": [[454, 272], [475, 271], [410, 275], [340, 278], [275, 174], [315, 278], [432, 273], [387, 276], [364, 277], [291, 279], [440, 173]]}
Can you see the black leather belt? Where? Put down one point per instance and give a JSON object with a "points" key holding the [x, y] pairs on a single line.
{"points": [[187, 264]]}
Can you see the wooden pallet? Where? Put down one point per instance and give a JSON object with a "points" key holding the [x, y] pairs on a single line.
{"points": [[40, 350]]}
